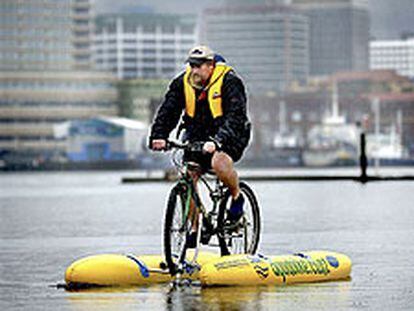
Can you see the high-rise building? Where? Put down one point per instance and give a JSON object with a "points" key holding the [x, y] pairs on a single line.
{"points": [[45, 35], [144, 45], [339, 35], [393, 54], [45, 77], [267, 44]]}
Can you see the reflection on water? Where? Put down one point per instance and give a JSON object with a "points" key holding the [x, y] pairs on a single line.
{"points": [[49, 220], [315, 296], [117, 298]]}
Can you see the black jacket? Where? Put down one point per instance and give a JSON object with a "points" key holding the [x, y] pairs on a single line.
{"points": [[231, 131]]}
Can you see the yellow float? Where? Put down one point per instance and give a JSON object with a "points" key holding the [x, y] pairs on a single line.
{"points": [[124, 270], [233, 270], [314, 266]]}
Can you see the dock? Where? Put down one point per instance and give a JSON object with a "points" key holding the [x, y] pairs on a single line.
{"points": [[291, 175]]}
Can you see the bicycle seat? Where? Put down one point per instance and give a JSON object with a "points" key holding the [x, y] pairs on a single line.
{"points": [[194, 166]]}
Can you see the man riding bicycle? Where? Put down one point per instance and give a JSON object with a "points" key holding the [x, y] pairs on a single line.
{"points": [[214, 101]]}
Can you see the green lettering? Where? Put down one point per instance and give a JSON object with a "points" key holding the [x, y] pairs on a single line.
{"points": [[283, 267], [276, 269], [305, 267], [313, 266], [288, 268], [319, 267], [324, 266], [299, 267], [302, 267], [294, 268]]}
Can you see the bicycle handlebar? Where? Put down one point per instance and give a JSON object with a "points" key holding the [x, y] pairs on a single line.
{"points": [[194, 146], [176, 144]]}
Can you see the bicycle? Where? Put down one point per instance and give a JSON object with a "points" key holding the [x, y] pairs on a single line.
{"points": [[182, 218]]}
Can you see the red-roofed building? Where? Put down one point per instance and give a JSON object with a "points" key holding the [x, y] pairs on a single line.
{"points": [[356, 92]]}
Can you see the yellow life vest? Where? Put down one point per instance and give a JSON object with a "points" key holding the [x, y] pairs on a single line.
{"points": [[213, 90]]}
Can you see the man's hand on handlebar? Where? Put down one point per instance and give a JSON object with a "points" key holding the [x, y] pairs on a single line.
{"points": [[159, 144], [209, 147]]}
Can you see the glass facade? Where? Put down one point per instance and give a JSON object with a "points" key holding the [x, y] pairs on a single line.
{"points": [[143, 45], [44, 35], [339, 35], [267, 45]]}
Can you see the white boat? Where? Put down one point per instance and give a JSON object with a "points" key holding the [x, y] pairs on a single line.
{"points": [[384, 147], [331, 145], [333, 142], [387, 148]]}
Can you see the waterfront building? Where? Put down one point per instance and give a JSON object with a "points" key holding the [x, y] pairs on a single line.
{"points": [[143, 45], [31, 103], [45, 74], [393, 54], [356, 93], [339, 35], [267, 44], [103, 139]]}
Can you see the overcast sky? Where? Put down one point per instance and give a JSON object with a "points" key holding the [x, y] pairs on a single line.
{"points": [[389, 18]]}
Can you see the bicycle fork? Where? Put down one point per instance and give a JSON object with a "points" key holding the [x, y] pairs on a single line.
{"points": [[191, 220]]}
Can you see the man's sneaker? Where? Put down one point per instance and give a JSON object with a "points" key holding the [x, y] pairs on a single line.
{"points": [[235, 212], [192, 240]]}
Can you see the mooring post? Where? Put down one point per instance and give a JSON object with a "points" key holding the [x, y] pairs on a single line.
{"points": [[363, 162]]}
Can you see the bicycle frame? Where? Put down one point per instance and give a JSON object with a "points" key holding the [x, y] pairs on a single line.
{"points": [[194, 220], [216, 193]]}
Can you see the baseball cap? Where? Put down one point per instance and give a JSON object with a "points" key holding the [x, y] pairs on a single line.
{"points": [[200, 54]]}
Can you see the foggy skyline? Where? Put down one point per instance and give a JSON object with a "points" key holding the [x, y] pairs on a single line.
{"points": [[389, 19]]}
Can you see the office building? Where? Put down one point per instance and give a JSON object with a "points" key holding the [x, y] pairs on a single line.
{"points": [[393, 54], [267, 44], [339, 35], [45, 74], [143, 45], [45, 35]]}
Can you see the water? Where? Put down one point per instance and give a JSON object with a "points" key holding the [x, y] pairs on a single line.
{"points": [[48, 220]]}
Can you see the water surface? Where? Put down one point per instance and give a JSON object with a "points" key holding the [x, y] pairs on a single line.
{"points": [[48, 220]]}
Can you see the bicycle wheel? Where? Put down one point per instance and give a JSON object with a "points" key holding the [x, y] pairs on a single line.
{"points": [[176, 229], [244, 239]]}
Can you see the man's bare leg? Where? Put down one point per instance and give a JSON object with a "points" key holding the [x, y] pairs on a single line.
{"points": [[194, 212], [222, 165]]}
